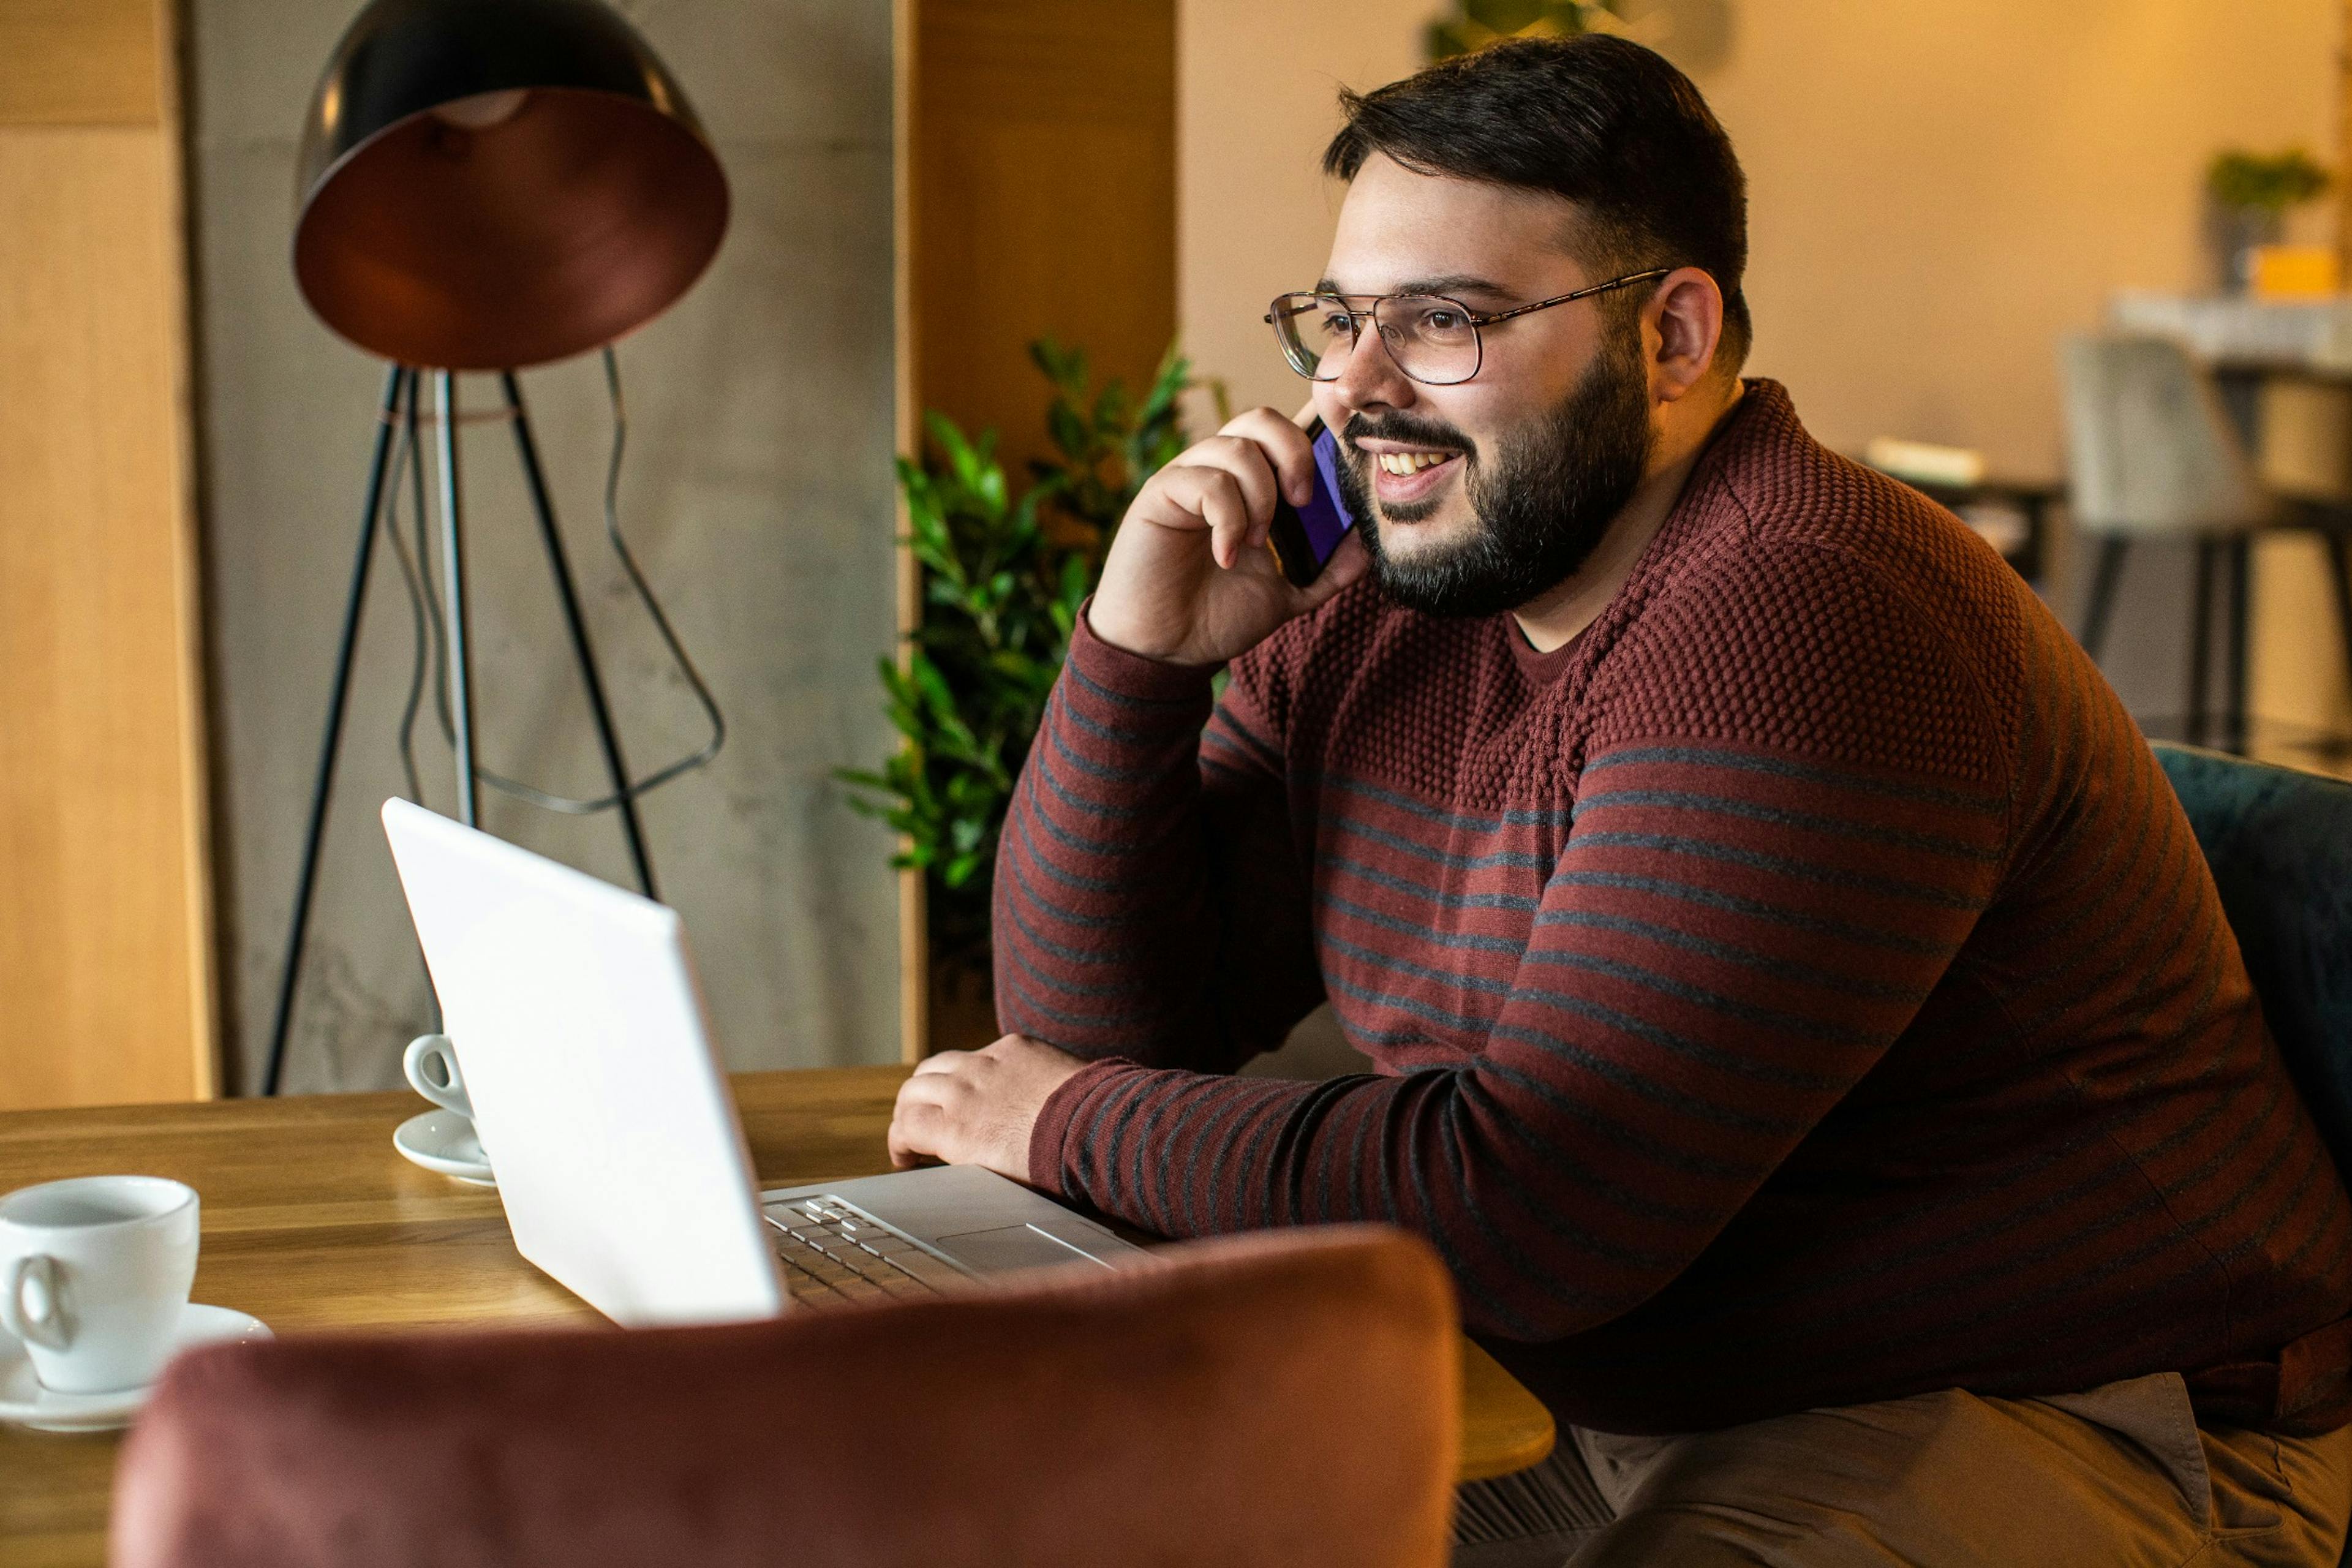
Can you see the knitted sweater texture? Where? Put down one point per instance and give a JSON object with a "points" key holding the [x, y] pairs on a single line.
{"points": [[1803, 991]]}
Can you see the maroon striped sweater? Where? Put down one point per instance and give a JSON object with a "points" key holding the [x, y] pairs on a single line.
{"points": [[1801, 990]]}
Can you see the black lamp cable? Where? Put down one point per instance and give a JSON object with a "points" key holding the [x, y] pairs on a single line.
{"points": [[426, 613]]}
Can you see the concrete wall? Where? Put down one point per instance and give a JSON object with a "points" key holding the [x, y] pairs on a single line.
{"points": [[1936, 192], [757, 494]]}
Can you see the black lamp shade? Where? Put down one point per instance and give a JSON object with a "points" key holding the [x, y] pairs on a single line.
{"points": [[486, 184]]}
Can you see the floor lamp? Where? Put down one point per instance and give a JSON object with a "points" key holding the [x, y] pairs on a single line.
{"points": [[487, 185]]}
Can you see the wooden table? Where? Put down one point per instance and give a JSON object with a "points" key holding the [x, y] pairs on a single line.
{"points": [[311, 1221]]}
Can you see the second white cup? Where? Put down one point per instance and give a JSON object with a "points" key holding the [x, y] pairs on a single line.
{"points": [[431, 1064]]}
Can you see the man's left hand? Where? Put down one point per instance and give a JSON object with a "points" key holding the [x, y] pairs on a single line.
{"points": [[977, 1108]]}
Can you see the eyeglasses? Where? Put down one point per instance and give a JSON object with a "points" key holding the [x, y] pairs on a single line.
{"points": [[1433, 340]]}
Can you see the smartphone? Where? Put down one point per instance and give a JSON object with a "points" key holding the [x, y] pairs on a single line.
{"points": [[1303, 538]]}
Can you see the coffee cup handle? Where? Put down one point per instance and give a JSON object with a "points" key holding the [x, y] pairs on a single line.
{"points": [[431, 1064], [44, 1323]]}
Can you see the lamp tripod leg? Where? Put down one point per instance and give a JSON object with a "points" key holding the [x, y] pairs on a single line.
{"points": [[453, 564], [559, 567], [330, 746]]}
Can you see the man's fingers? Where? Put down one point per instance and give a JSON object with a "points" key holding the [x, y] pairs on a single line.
{"points": [[905, 1145], [942, 1061], [909, 1147], [1224, 486], [932, 1089], [1284, 444], [920, 1131], [1348, 562], [1215, 497], [1249, 465]]}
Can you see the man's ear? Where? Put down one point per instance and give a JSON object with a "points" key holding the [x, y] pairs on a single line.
{"points": [[1681, 326]]}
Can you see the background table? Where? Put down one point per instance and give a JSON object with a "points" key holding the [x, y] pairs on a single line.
{"points": [[311, 1221]]}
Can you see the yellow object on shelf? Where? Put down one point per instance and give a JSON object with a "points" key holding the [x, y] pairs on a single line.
{"points": [[2292, 271]]}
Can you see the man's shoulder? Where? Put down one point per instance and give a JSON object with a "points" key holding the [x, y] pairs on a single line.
{"points": [[1774, 484], [1803, 601], [1780, 528]]}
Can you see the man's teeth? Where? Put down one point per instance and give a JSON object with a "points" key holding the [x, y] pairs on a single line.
{"points": [[1409, 462]]}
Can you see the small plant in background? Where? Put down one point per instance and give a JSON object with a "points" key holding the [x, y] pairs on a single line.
{"points": [[1479, 23], [2251, 194], [1003, 574], [2240, 181]]}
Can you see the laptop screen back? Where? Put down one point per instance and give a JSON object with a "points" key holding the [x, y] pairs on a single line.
{"points": [[580, 1029]]}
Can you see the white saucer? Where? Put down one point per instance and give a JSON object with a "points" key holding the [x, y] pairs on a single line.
{"points": [[24, 1401], [444, 1141]]}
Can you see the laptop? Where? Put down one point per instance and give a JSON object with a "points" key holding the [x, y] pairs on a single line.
{"points": [[579, 1025]]}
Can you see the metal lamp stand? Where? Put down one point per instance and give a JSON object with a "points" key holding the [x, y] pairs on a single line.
{"points": [[401, 390]]}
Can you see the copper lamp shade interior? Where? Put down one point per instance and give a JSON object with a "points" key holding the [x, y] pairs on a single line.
{"points": [[486, 185]]}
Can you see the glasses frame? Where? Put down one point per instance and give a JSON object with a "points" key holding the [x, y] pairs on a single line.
{"points": [[1355, 319]]}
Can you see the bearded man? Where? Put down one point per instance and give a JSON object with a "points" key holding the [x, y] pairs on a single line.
{"points": [[1804, 1022]]}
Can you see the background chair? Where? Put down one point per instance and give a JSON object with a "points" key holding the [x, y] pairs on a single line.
{"points": [[2154, 455], [1278, 1399], [2304, 457]]}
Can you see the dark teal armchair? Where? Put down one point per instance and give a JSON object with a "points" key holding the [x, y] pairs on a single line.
{"points": [[2280, 844]]}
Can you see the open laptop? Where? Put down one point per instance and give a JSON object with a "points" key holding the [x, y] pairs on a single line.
{"points": [[580, 1028]]}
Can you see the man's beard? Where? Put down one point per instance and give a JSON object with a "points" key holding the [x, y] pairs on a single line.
{"points": [[1539, 509]]}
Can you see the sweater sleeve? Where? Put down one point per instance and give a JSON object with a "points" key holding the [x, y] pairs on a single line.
{"points": [[1791, 812], [1149, 900]]}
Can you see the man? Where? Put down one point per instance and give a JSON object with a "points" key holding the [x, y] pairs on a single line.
{"points": [[1806, 1025]]}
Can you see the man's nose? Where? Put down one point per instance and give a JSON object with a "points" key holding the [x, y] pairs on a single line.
{"points": [[1371, 378]]}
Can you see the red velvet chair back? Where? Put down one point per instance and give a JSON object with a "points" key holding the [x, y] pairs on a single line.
{"points": [[1281, 1399]]}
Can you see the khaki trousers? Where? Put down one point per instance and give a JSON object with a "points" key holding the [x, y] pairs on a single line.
{"points": [[2121, 1475]]}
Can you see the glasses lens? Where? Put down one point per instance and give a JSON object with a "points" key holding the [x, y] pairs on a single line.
{"points": [[1315, 334], [1429, 338]]}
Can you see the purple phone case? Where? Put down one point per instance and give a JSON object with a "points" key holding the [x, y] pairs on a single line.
{"points": [[1325, 517]]}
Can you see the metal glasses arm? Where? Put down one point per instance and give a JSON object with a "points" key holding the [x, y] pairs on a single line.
{"points": [[1488, 321], [1470, 316]]}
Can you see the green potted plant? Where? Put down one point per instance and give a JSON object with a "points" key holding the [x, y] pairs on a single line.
{"points": [[2250, 194], [1475, 23], [1003, 574]]}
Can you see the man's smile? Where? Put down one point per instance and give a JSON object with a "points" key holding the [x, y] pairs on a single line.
{"points": [[1403, 474]]}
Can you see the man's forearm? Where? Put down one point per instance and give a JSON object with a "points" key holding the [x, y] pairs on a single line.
{"points": [[1103, 925], [1728, 945]]}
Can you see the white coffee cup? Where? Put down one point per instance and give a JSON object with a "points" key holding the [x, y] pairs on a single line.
{"points": [[431, 1064], [94, 1276]]}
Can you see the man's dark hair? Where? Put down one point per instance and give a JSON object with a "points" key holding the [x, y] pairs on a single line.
{"points": [[1597, 118]]}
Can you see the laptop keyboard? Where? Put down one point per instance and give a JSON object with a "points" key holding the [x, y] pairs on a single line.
{"points": [[834, 1253]]}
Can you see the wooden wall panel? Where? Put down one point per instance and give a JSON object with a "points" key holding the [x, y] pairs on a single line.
{"points": [[1044, 199], [914, 938], [104, 957], [80, 62], [1037, 197]]}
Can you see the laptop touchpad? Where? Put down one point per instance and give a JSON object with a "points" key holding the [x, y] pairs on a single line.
{"points": [[1012, 1247]]}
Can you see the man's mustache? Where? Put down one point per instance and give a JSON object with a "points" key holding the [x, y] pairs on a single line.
{"points": [[1410, 431]]}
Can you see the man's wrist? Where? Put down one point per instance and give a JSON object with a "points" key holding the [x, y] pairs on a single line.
{"points": [[1133, 641], [1049, 1135], [1129, 673]]}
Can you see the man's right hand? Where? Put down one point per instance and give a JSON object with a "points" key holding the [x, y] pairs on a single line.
{"points": [[1189, 579]]}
